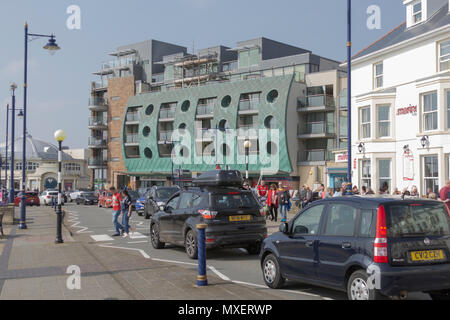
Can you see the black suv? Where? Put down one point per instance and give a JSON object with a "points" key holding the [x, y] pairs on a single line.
{"points": [[233, 216], [87, 198], [372, 248]]}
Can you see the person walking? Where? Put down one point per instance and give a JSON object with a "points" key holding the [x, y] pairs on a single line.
{"points": [[444, 194], [116, 206], [126, 213], [263, 189], [272, 202], [284, 202]]}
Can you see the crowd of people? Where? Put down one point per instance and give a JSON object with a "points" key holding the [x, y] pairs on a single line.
{"points": [[121, 204]]}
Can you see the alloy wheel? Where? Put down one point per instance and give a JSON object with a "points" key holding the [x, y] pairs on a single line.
{"points": [[270, 271], [190, 244], [359, 289]]}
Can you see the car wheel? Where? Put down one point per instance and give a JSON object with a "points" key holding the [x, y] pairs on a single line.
{"points": [[154, 235], [271, 272], [190, 245], [358, 287], [444, 295], [254, 248]]}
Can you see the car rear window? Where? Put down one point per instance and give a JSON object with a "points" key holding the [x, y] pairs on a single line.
{"points": [[417, 219], [233, 200], [166, 193]]}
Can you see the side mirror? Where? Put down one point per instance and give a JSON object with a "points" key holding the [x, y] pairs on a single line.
{"points": [[284, 228], [168, 209]]}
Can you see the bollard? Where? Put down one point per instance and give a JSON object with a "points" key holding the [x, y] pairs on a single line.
{"points": [[202, 280]]}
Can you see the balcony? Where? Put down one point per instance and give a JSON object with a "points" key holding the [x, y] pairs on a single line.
{"points": [[205, 111], [98, 104], [316, 103], [121, 63], [131, 139], [96, 143], [247, 132], [315, 130], [167, 114], [101, 85], [317, 156], [249, 106], [97, 163], [98, 123], [132, 118], [165, 137], [205, 134]]}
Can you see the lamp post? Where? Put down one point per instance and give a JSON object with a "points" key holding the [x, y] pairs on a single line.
{"points": [[6, 148], [349, 96], [11, 183], [247, 146], [51, 47], [60, 136]]}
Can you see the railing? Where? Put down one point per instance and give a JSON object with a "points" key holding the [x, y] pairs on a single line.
{"points": [[204, 109], [132, 116], [167, 113], [165, 136], [315, 155], [343, 102], [205, 133], [245, 105], [123, 62], [100, 102], [132, 138], [319, 127], [96, 121], [100, 84], [320, 100], [97, 162], [245, 131], [96, 142]]}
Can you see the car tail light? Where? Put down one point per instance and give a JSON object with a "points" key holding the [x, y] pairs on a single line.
{"points": [[207, 214], [210, 240], [380, 248], [48, 197]]}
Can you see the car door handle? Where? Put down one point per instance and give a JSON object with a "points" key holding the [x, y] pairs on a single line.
{"points": [[309, 243], [346, 245]]}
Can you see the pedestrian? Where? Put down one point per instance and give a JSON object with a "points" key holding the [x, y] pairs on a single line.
{"points": [[308, 197], [328, 193], [432, 196], [284, 202], [370, 191], [322, 191], [337, 192], [263, 189], [272, 202], [396, 192], [126, 213], [414, 192], [355, 190], [116, 206], [444, 194], [246, 185], [363, 190]]}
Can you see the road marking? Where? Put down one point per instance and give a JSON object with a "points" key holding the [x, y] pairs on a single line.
{"points": [[219, 274], [101, 237], [136, 242], [74, 218], [137, 235], [144, 254]]}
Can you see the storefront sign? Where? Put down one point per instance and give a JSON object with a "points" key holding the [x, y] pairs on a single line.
{"points": [[408, 166], [341, 157], [408, 110]]}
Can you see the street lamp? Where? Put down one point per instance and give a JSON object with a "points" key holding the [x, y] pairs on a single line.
{"points": [[51, 47], [425, 141], [13, 88], [6, 148], [361, 147], [349, 96], [60, 136], [247, 146]]}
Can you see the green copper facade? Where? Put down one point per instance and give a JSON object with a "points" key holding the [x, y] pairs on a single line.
{"points": [[149, 162]]}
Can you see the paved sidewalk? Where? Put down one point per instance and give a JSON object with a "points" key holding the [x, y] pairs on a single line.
{"points": [[32, 266]]}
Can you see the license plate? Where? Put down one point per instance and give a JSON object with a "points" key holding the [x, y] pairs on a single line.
{"points": [[429, 255], [239, 218]]}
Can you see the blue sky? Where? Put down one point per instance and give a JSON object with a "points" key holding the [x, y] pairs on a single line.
{"points": [[59, 85]]}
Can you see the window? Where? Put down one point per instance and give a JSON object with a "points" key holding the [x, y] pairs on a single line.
{"points": [[340, 220], [444, 55], [384, 174], [31, 166], [417, 12], [365, 122], [384, 122], [378, 75], [173, 204], [243, 59], [430, 112], [448, 109], [366, 173], [430, 174], [366, 228], [186, 200], [308, 222], [72, 167]]}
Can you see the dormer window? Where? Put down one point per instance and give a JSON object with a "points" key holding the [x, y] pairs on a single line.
{"points": [[417, 12]]}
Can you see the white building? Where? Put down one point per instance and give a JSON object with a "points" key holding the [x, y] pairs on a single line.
{"points": [[401, 101]]}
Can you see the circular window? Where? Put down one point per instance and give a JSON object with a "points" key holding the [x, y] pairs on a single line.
{"points": [[271, 148], [269, 122], [272, 96], [149, 110], [185, 106], [226, 101], [223, 125], [148, 153], [146, 131]]}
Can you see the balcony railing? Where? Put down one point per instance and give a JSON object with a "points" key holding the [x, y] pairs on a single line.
{"points": [[167, 113], [320, 100], [315, 155], [245, 131], [205, 109], [132, 116], [96, 142], [319, 127], [100, 84], [205, 133], [165, 136], [246, 105], [97, 162], [132, 138], [100, 102], [123, 62], [97, 122]]}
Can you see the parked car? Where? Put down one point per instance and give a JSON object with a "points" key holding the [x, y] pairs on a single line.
{"points": [[347, 242], [32, 199], [232, 214], [87, 198], [46, 197], [155, 198], [105, 199], [134, 195], [140, 202]]}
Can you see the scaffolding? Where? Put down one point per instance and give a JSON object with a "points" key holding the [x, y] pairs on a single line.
{"points": [[193, 70]]}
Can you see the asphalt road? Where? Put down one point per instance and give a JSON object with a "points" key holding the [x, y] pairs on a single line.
{"points": [[229, 264]]}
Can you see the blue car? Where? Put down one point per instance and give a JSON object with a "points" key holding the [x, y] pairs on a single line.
{"points": [[372, 248], [140, 202]]}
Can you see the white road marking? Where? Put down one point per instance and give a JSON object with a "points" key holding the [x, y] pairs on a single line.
{"points": [[137, 235], [101, 237], [136, 242], [219, 274], [144, 254]]}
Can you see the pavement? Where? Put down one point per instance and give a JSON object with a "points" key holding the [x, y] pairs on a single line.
{"points": [[33, 267]]}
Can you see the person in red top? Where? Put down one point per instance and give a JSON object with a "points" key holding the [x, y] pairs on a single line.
{"points": [[272, 202], [444, 194], [263, 189], [116, 206]]}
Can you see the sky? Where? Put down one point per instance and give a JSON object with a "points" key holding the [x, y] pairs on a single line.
{"points": [[59, 85]]}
